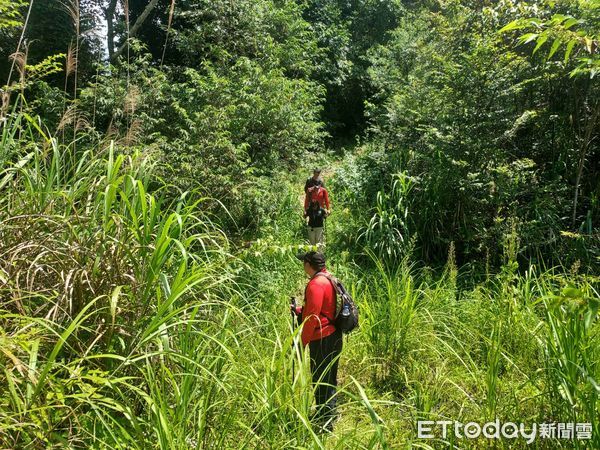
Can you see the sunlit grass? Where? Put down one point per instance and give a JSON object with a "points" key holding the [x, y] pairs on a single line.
{"points": [[128, 320]]}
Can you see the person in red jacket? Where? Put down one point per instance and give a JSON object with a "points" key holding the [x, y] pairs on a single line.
{"points": [[319, 195], [322, 337], [316, 208]]}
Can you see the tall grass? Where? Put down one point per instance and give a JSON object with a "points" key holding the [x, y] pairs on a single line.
{"points": [[388, 306], [124, 322], [571, 351], [97, 274], [520, 348]]}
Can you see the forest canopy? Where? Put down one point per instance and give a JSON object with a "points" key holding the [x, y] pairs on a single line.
{"points": [[485, 106]]}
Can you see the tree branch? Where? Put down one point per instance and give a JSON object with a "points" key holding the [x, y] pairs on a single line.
{"points": [[136, 26]]}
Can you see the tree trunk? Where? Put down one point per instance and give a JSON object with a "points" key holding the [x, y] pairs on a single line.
{"points": [[586, 141], [110, 37], [136, 26]]}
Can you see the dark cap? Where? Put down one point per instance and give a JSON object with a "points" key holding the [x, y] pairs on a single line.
{"points": [[315, 259]]}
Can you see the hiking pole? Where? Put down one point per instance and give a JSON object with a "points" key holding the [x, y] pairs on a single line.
{"points": [[325, 232], [293, 310]]}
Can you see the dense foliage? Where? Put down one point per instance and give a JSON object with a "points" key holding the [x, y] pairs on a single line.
{"points": [[488, 133], [490, 110]]}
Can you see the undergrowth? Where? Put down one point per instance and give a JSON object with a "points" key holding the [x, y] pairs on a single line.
{"points": [[129, 320]]}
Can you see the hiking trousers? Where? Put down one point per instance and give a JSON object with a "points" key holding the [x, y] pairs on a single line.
{"points": [[315, 235], [324, 356]]}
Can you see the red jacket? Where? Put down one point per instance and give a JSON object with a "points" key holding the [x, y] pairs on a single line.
{"points": [[318, 194], [319, 304]]}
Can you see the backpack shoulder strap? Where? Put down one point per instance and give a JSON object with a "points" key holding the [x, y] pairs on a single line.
{"points": [[314, 195], [332, 279], [334, 283]]}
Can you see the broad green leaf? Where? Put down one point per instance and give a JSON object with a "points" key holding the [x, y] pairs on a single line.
{"points": [[570, 22], [528, 37], [535, 21], [514, 25], [571, 292], [592, 312], [569, 49], [541, 41], [554, 48]]}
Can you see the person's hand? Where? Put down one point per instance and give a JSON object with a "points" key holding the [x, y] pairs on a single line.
{"points": [[295, 309]]}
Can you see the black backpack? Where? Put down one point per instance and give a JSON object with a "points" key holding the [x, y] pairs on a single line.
{"points": [[346, 311], [310, 182]]}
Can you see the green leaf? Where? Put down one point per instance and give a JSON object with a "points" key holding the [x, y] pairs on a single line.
{"points": [[571, 292], [569, 49], [535, 21], [528, 37], [114, 300], [50, 361], [514, 25], [541, 41], [570, 22], [31, 369], [592, 312], [554, 47]]}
